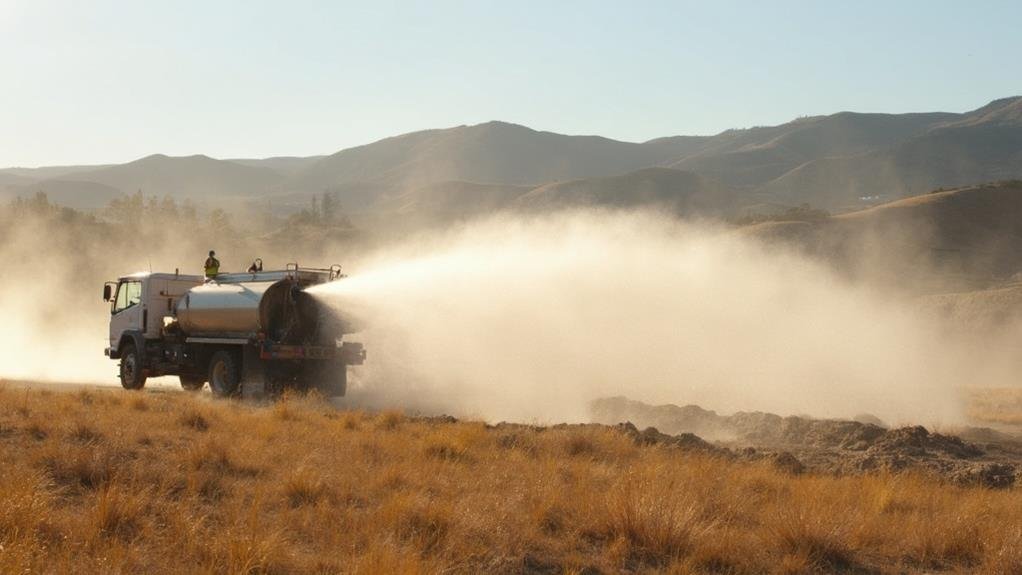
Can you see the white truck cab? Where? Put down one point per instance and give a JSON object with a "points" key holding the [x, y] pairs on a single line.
{"points": [[138, 304]]}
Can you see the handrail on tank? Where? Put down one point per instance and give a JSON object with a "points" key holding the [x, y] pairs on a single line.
{"points": [[292, 269]]}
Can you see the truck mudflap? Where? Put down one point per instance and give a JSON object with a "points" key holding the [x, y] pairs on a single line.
{"points": [[351, 353]]}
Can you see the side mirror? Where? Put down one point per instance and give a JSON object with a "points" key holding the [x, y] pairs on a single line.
{"points": [[108, 291]]}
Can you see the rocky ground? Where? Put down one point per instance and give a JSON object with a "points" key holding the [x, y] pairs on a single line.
{"points": [[799, 444]]}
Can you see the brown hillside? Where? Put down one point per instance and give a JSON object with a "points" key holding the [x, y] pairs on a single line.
{"points": [[965, 237], [70, 193], [983, 145], [677, 191], [840, 162], [454, 199], [191, 176], [494, 152]]}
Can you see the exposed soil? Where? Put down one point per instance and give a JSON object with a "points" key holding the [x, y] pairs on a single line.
{"points": [[975, 456]]}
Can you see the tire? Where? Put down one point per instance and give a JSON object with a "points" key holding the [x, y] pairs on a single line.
{"points": [[132, 376], [192, 382], [224, 374]]}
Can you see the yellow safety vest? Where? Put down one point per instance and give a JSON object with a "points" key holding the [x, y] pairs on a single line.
{"points": [[212, 267]]}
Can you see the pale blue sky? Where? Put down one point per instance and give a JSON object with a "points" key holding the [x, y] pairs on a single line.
{"points": [[104, 81]]}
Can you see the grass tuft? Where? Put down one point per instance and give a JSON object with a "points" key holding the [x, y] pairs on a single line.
{"points": [[194, 420], [305, 487], [84, 433], [390, 420]]}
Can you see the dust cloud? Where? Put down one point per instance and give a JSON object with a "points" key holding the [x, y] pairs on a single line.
{"points": [[55, 260], [529, 320], [53, 320], [73, 354]]}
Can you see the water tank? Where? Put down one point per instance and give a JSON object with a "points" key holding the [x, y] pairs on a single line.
{"points": [[241, 309]]}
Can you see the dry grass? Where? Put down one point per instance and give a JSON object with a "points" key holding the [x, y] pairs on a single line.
{"points": [[112, 482]]}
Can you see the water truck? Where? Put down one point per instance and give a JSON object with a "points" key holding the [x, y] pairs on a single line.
{"points": [[249, 334]]}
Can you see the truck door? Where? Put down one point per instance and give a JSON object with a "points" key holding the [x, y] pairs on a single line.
{"points": [[126, 312]]}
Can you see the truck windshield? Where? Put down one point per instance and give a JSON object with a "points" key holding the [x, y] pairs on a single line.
{"points": [[129, 293]]}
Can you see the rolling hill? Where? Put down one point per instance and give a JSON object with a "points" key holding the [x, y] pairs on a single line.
{"points": [[490, 153], [47, 172], [12, 179], [189, 176], [285, 165], [957, 239], [676, 191], [453, 199], [840, 162], [984, 145], [82, 195], [756, 156], [182, 177]]}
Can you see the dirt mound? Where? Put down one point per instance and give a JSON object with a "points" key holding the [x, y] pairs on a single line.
{"points": [[652, 436], [742, 428], [819, 445], [917, 441], [769, 429]]}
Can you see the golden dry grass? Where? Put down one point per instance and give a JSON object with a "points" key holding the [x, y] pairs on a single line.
{"points": [[117, 482]]}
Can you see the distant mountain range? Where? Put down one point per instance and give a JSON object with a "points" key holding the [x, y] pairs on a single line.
{"points": [[839, 162]]}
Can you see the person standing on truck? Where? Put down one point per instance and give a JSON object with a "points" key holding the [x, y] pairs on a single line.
{"points": [[212, 265]]}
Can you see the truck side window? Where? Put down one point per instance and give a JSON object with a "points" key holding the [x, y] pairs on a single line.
{"points": [[129, 293]]}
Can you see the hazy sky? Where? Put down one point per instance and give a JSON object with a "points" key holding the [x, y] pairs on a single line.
{"points": [[103, 81]]}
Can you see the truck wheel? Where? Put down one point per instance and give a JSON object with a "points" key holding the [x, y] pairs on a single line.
{"points": [[192, 382], [131, 368], [224, 375]]}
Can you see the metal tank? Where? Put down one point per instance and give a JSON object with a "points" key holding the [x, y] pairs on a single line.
{"points": [[249, 305]]}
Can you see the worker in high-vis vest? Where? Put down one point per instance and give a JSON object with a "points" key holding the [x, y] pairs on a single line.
{"points": [[212, 265]]}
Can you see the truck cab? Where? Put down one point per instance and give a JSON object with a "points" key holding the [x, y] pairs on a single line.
{"points": [[138, 304]]}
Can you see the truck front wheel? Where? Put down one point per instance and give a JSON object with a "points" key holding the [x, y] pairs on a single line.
{"points": [[224, 374], [132, 376]]}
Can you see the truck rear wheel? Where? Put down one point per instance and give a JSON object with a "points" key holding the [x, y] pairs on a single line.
{"points": [[192, 382], [224, 374], [132, 376]]}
